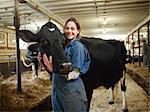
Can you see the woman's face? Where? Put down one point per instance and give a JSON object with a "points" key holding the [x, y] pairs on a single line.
{"points": [[71, 30]]}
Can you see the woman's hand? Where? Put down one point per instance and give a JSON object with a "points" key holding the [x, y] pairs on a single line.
{"points": [[40, 58], [46, 62], [73, 75]]}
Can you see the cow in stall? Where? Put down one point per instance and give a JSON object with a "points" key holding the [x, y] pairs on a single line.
{"points": [[146, 55], [30, 59], [108, 59]]}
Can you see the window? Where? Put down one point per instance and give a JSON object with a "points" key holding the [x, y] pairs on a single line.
{"points": [[11, 40], [3, 40]]}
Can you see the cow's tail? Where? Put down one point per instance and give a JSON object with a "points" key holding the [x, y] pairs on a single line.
{"points": [[123, 56]]}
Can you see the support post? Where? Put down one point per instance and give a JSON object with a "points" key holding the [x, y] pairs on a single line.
{"points": [[17, 25], [139, 44], [148, 31]]}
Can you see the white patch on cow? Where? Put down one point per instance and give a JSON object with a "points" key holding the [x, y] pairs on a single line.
{"points": [[51, 29]]}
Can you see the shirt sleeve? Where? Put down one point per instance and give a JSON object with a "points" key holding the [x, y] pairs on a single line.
{"points": [[80, 58]]}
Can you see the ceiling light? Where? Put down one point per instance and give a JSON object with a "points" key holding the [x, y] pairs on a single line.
{"points": [[104, 21]]}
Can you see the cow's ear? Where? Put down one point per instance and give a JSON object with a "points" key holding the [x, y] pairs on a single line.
{"points": [[26, 35]]}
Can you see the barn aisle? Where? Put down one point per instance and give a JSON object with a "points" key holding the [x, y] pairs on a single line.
{"points": [[137, 99]]}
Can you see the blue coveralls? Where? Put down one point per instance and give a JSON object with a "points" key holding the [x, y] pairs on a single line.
{"points": [[70, 96]]}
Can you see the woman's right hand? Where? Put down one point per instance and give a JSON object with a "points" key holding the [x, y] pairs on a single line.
{"points": [[40, 57], [46, 62]]}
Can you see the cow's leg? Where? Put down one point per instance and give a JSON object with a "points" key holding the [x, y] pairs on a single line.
{"points": [[33, 71], [89, 92], [89, 96], [36, 68], [111, 97], [123, 89]]}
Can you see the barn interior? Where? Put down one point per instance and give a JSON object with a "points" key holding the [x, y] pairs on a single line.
{"points": [[127, 21], [123, 20]]}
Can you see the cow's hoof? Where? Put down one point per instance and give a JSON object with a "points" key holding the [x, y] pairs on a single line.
{"points": [[125, 110], [111, 102]]}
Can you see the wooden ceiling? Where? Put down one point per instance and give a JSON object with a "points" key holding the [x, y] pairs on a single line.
{"points": [[98, 18]]}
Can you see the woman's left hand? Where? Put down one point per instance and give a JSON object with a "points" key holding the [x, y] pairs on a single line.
{"points": [[73, 75]]}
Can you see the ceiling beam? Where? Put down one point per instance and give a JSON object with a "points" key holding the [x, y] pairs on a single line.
{"points": [[37, 6], [140, 24]]}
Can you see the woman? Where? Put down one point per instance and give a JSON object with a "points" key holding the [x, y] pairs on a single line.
{"points": [[69, 95]]}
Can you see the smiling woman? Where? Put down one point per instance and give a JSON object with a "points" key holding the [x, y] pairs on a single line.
{"points": [[101, 58], [120, 16]]}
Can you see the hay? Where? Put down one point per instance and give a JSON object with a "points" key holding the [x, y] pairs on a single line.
{"points": [[33, 92]]}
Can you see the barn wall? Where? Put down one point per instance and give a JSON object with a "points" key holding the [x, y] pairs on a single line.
{"points": [[8, 52]]}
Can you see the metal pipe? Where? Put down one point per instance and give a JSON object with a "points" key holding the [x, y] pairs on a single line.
{"points": [[7, 59], [7, 54], [139, 47], [37, 6]]}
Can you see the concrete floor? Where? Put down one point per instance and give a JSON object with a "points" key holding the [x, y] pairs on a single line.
{"points": [[140, 75], [137, 99]]}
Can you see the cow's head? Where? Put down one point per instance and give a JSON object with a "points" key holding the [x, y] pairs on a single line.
{"points": [[51, 41]]}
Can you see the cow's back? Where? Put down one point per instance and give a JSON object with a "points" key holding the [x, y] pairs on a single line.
{"points": [[107, 62]]}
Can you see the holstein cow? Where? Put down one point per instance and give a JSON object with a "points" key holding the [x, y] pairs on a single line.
{"points": [[107, 59], [30, 59]]}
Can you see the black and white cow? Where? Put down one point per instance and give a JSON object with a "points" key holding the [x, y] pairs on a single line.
{"points": [[30, 59], [107, 58]]}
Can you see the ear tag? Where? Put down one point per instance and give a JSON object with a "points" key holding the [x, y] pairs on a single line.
{"points": [[51, 29]]}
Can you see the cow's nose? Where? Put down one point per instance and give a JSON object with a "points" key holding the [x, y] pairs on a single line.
{"points": [[66, 64], [65, 67]]}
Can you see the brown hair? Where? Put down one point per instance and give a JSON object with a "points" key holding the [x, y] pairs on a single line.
{"points": [[77, 24]]}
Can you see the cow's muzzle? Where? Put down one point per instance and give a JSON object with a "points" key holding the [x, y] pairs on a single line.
{"points": [[65, 68]]}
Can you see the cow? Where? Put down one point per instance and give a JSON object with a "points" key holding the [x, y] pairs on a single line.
{"points": [[146, 55], [30, 59], [108, 59]]}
